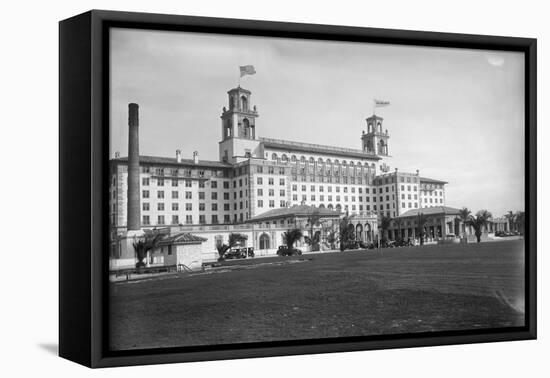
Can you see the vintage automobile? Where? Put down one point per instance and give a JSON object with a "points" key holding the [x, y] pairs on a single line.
{"points": [[283, 250]]}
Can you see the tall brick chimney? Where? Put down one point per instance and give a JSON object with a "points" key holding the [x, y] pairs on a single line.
{"points": [[134, 216]]}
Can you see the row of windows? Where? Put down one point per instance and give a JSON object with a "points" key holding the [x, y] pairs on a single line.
{"points": [[433, 200], [146, 181], [271, 203], [189, 195], [271, 192], [270, 181], [270, 170]]}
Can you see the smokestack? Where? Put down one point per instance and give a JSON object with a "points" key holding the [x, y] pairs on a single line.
{"points": [[178, 156], [133, 221], [196, 157]]}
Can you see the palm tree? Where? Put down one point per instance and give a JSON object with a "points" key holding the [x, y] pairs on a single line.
{"points": [[234, 239], [399, 222], [421, 220], [464, 215], [519, 221], [313, 239], [511, 220], [347, 232], [385, 223], [478, 222], [290, 237], [143, 245]]}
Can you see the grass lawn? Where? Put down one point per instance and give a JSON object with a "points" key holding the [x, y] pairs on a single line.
{"points": [[401, 290]]}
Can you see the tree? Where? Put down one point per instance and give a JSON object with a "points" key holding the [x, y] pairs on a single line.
{"points": [[144, 244], [399, 222], [332, 238], [234, 239], [478, 222], [421, 220], [519, 221], [511, 217], [291, 236], [385, 222], [313, 238], [347, 233], [464, 215]]}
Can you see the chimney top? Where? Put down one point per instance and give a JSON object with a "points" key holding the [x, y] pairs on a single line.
{"points": [[195, 157], [133, 114], [178, 156]]}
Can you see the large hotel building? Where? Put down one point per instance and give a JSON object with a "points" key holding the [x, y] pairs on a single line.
{"points": [[254, 175]]}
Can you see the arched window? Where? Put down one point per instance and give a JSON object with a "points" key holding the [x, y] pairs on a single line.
{"points": [[284, 158], [330, 206], [244, 103], [274, 156], [320, 161], [321, 206], [303, 159], [264, 241], [311, 160], [246, 128], [379, 125], [293, 158], [339, 207]]}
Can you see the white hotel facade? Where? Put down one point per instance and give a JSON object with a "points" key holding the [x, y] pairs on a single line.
{"points": [[255, 175]]}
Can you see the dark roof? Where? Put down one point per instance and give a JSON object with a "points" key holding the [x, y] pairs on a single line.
{"points": [[240, 89], [172, 161], [287, 145], [374, 116], [435, 210], [294, 211], [181, 238], [425, 179]]}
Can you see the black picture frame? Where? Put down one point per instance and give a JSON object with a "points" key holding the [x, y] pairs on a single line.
{"points": [[83, 167]]}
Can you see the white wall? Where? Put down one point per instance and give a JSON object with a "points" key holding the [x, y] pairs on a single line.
{"points": [[29, 161]]}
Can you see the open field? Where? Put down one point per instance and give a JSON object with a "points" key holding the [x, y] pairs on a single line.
{"points": [[416, 289]]}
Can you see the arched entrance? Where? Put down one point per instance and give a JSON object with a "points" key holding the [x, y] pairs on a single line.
{"points": [[359, 232], [264, 241]]}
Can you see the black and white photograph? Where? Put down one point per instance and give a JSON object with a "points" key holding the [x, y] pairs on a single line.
{"points": [[267, 189]]}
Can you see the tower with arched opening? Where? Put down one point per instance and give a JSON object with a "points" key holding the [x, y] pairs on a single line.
{"points": [[239, 139]]}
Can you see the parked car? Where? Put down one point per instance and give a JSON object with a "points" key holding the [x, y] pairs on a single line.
{"points": [[283, 250], [236, 253], [250, 252]]}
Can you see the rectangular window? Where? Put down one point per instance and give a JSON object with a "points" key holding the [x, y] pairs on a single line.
{"points": [[281, 181], [226, 195], [215, 219], [174, 194], [259, 180], [160, 219], [188, 183], [145, 206], [201, 195], [271, 203], [188, 219], [145, 181], [160, 194], [160, 182], [260, 169], [188, 195], [270, 181], [146, 220], [175, 219], [160, 206], [226, 184], [294, 187], [214, 207], [282, 192], [189, 206], [174, 182], [214, 195], [202, 219], [260, 203], [145, 194], [175, 206], [226, 207], [271, 192], [202, 206]]}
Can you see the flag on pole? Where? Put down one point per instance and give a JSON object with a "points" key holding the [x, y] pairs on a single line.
{"points": [[380, 103], [247, 70]]}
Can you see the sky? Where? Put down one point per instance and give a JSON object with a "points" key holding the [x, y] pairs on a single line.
{"points": [[455, 114]]}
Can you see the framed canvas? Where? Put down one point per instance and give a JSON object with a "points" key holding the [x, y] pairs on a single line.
{"points": [[236, 188]]}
